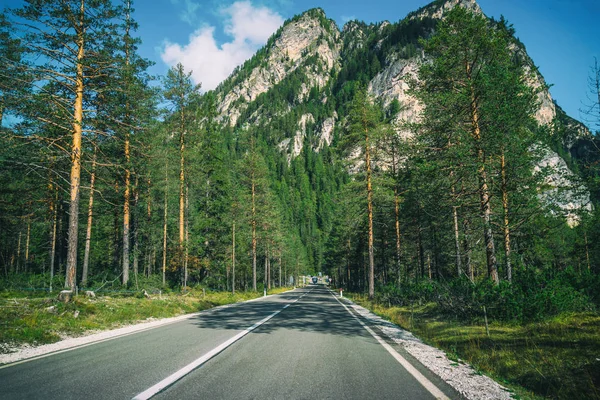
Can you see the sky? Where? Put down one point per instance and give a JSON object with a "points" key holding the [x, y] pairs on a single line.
{"points": [[211, 37]]}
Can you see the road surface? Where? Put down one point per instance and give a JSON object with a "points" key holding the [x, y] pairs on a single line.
{"points": [[302, 344]]}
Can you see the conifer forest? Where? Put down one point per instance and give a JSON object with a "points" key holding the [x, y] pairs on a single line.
{"points": [[460, 190]]}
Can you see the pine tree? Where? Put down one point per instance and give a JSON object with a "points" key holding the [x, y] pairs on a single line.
{"points": [[183, 96], [364, 123], [68, 38], [475, 94]]}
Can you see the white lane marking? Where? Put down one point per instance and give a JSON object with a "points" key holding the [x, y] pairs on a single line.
{"points": [[171, 379], [134, 331], [426, 383]]}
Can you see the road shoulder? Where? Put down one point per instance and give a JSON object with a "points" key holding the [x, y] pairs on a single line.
{"points": [[462, 377]]}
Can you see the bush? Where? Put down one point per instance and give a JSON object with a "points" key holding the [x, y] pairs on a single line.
{"points": [[531, 297]]}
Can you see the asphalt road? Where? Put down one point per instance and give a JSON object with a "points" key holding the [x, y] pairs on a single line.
{"points": [[309, 346]]}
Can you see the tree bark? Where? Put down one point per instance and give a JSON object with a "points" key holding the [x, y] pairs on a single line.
{"points": [[88, 232], [370, 215], [76, 158], [456, 235], [181, 183], [233, 259], [54, 210], [19, 253], [149, 245], [253, 235], [266, 276], [27, 241], [484, 192], [268, 268], [126, 212], [187, 236], [467, 250], [136, 223], [127, 151], [164, 261], [421, 250], [506, 226], [398, 233], [587, 250]]}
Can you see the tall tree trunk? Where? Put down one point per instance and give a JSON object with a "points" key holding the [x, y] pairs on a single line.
{"points": [[266, 276], [19, 253], [280, 269], [136, 224], [127, 150], [506, 226], [126, 212], [253, 236], [370, 215], [484, 192], [90, 213], [268, 268], [233, 258], [587, 248], [54, 210], [61, 239], [420, 250], [149, 242], [76, 158], [457, 241], [398, 233], [187, 236], [116, 236], [456, 233], [181, 187], [429, 264], [27, 241], [467, 250], [164, 261]]}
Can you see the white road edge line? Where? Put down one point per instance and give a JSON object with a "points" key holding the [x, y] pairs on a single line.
{"points": [[171, 379], [426, 383], [121, 335]]}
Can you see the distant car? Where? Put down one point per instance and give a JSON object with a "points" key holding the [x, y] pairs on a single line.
{"points": [[315, 280]]}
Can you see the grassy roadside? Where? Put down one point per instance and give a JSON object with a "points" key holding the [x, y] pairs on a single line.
{"points": [[40, 320], [558, 358]]}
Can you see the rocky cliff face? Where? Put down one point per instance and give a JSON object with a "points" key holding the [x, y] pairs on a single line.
{"points": [[310, 36], [438, 9], [313, 46]]}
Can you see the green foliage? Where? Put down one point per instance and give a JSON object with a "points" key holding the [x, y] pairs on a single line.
{"points": [[310, 211], [551, 358], [534, 296], [41, 320]]}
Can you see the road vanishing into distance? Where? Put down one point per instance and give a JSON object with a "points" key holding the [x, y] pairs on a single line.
{"points": [[302, 344]]}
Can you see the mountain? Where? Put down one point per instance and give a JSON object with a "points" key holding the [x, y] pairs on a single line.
{"points": [[309, 64], [295, 93]]}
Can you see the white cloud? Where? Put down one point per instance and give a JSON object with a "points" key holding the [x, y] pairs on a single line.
{"points": [[249, 28]]}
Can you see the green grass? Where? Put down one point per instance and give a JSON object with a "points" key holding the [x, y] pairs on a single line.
{"points": [[558, 358], [39, 320]]}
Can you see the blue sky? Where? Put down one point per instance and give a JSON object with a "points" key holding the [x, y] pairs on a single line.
{"points": [[212, 36]]}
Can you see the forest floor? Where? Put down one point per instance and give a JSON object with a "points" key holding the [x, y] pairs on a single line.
{"points": [[555, 358], [30, 320]]}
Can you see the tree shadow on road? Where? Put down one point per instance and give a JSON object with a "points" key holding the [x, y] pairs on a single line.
{"points": [[318, 312]]}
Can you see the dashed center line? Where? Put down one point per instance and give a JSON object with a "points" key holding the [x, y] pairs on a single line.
{"points": [[171, 379]]}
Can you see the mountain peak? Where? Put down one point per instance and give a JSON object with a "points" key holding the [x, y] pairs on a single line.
{"points": [[439, 8], [307, 43]]}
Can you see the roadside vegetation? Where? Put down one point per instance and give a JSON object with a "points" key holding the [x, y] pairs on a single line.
{"points": [[546, 345], [38, 317]]}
